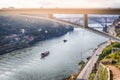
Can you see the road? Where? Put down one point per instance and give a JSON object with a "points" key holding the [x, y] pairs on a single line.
{"points": [[84, 74], [111, 31]]}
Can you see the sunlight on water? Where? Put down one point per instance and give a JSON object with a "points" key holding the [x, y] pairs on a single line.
{"points": [[25, 64]]}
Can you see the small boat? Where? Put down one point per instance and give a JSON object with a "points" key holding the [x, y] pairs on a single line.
{"points": [[64, 41], [44, 54]]}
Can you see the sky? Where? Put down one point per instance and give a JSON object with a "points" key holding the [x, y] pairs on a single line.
{"points": [[60, 3]]}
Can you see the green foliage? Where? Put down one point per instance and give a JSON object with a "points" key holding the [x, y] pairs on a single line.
{"points": [[116, 44], [115, 55], [113, 58], [118, 65], [81, 62], [103, 74], [117, 30], [106, 51], [92, 76]]}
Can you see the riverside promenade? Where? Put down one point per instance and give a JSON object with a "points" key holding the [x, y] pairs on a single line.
{"points": [[84, 74]]}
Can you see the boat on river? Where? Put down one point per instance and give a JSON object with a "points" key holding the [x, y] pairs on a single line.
{"points": [[44, 54], [64, 40]]}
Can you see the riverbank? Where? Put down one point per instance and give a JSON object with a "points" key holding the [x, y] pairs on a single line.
{"points": [[110, 59], [88, 66], [62, 61], [17, 32]]}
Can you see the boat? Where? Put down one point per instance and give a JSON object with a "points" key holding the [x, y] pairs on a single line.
{"points": [[64, 41], [44, 54]]}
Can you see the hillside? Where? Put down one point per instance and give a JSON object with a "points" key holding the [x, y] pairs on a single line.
{"points": [[22, 31]]}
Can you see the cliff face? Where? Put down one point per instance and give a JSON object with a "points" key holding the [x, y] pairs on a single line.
{"points": [[21, 31]]}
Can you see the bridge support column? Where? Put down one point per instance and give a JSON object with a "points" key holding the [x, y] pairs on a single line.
{"points": [[50, 16], [85, 20]]}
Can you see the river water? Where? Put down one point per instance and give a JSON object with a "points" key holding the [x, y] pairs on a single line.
{"points": [[25, 64]]}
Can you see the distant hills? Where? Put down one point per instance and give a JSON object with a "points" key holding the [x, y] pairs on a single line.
{"points": [[22, 31]]}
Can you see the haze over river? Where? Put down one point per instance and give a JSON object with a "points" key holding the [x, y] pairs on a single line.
{"points": [[25, 64]]}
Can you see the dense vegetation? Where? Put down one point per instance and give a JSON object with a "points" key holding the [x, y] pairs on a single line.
{"points": [[117, 27], [82, 64], [107, 57], [98, 74], [102, 73], [106, 51], [113, 58], [117, 30], [92, 76]]}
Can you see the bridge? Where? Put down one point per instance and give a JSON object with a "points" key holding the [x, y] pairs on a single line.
{"points": [[85, 12], [51, 11]]}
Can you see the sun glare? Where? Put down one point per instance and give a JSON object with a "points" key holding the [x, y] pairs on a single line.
{"points": [[59, 3]]}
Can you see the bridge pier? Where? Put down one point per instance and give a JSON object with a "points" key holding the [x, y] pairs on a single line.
{"points": [[50, 16], [85, 20]]}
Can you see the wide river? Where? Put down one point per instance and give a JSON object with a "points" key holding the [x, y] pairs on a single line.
{"points": [[25, 64]]}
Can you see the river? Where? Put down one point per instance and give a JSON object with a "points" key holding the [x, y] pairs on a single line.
{"points": [[25, 64]]}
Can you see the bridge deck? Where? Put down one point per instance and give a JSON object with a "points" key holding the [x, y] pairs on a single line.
{"points": [[63, 10], [51, 11]]}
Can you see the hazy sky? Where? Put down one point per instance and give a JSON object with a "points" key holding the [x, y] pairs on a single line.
{"points": [[60, 3]]}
